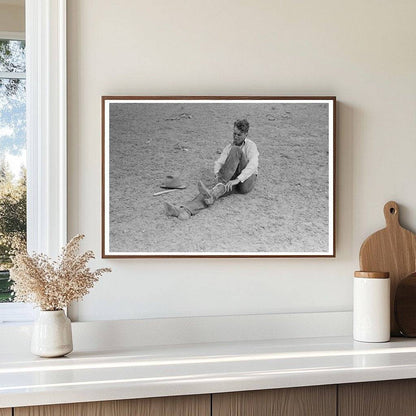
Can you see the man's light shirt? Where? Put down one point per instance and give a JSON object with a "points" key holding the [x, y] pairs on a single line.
{"points": [[249, 149]]}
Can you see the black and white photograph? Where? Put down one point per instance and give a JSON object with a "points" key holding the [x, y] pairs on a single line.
{"points": [[218, 176]]}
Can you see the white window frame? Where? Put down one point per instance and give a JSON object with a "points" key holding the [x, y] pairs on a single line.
{"points": [[46, 127]]}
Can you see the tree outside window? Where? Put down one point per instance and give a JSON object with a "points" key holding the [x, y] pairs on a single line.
{"points": [[12, 156]]}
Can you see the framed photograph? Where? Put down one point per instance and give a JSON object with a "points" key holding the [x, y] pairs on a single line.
{"points": [[218, 176]]}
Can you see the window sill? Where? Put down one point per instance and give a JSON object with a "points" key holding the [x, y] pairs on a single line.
{"points": [[16, 313]]}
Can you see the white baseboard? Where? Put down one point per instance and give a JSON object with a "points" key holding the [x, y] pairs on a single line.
{"points": [[169, 331]]}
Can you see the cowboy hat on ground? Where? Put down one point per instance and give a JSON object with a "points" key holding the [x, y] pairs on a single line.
{"points": [[172, 182]]}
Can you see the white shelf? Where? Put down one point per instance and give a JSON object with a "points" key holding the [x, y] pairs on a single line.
{"points": [[150, 371]]}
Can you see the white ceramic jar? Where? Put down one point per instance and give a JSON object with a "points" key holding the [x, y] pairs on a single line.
{"points": [[371, 313]]}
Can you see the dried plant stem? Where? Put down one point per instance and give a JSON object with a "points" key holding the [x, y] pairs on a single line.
{"points": [[53, 285]]}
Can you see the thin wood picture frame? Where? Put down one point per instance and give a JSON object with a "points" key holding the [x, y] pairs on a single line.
{"points": [[218, 176]]}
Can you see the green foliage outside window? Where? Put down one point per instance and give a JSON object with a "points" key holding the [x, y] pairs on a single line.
{"points": [[12, 223], [12, 145]]}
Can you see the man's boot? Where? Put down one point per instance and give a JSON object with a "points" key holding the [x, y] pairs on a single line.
{"points": [[210, 196]]}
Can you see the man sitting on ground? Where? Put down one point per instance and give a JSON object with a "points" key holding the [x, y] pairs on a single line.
{"points": [[235, 170]]}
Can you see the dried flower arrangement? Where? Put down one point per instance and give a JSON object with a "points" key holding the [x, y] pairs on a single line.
{"points": [[53, 285]]}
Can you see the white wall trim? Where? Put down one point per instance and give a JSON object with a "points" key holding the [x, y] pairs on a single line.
{"points": [[202, 329], [13, 75], [124, 334], [12, 35], [46, 125]]}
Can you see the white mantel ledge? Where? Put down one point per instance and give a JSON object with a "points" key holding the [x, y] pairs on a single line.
{"points": [[152, 371]]}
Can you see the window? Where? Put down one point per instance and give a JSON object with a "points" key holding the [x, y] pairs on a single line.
{"points": [[12, 153], [45, 27]]}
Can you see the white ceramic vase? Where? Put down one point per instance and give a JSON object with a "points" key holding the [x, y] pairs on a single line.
{"points": [[52, 334]]}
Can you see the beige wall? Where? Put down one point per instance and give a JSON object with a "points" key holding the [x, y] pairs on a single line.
{"points": [[12, 18], [361, 51]]}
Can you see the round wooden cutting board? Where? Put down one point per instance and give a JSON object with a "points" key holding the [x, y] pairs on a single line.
{"points": [[393, 250]]}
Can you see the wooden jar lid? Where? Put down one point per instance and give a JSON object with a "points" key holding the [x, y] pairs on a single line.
{"points": [[372, 275]]}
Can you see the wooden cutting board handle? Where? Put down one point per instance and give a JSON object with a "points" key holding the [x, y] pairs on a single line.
{"points": [[393, 250], [391, 214]]}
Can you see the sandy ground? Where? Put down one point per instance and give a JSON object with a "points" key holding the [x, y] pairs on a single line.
{"points": [[286, 212]]}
